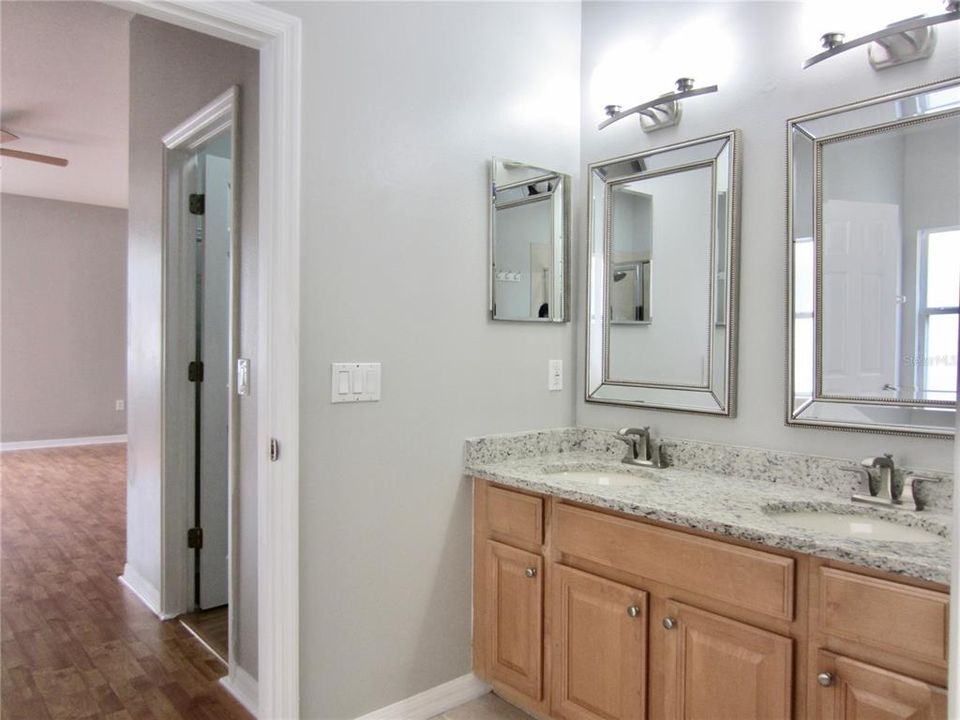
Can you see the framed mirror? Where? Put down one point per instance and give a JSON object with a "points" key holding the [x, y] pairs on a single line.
{"points": [[874, 264], [529, 217], [663, 237]]}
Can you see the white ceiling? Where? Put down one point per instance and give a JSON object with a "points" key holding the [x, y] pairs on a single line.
{"points": [[65, 92]]}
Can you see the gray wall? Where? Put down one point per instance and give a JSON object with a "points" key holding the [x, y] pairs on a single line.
{"points": [[765, 87], [173, 73], [63, 317], [403, 106]]}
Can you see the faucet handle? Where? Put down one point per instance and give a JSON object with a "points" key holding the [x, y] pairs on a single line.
{"points": [[656, 455], [912, 482]]}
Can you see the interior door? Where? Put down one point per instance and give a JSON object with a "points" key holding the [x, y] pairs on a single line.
{"points": [[213, 322], [861, 285]]}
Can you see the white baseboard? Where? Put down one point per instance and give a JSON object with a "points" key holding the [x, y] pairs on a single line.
{"points": [[434, 701], [62, 442], [244, 688], [143, 589]]}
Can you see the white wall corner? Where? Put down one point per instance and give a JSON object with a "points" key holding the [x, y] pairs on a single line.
{"points": [[146, 591], [243, 687], [63, 442], [434, 701]]}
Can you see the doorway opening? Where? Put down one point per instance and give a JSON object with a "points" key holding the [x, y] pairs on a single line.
{"points": [[201, 330]]}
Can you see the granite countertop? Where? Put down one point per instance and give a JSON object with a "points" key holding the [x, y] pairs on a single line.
{"points": [[723, 503]]}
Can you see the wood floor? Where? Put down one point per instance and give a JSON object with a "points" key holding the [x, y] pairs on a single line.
{"points": [[75, 642], [212, 626]]}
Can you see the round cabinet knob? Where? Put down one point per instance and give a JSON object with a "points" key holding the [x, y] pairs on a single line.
{"points": [[530, 572], [825, 679], [633, 611], [669, 623]]}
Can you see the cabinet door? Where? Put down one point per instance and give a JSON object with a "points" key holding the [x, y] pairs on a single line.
{"points": [[720, 668], [514, 617], [600, 648], [852, 690]]}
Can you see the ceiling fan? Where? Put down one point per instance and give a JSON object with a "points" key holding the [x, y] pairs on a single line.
{"points": [[6, 137]]}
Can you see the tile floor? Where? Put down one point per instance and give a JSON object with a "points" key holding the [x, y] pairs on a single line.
{"points": [[488, 707]]}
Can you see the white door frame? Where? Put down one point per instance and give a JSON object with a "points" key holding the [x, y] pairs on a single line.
{"points": [[277, 37]]}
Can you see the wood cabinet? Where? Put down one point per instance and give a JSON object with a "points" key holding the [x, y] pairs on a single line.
{"points": [[852, 690], [715, 667], [600, 651], [642, 619], [514, 623]]}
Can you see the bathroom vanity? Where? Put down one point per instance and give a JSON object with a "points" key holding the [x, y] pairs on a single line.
{"points": [[603, 591]]}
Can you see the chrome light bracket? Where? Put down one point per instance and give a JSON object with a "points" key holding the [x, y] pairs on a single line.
{"points": [[902, 47], [898, 43], [661, 112]]}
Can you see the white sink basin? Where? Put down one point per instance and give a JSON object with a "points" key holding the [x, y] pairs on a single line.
{"points": [[603, 478], [855, 526]]}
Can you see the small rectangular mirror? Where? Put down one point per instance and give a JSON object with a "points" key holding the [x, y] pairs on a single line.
{"points": [[529, 216], [663, 238], [874, 263]]}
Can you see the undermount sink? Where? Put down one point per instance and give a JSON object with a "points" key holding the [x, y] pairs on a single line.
{"points": [[602, 478], [861, 527]]}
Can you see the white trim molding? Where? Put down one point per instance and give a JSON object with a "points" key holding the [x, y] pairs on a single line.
{"points": [[434, 701], [277, 37], [63, 442], [243, 687], [145, 590]]}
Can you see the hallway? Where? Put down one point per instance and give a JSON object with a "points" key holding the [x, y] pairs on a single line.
{"points": [[75, 642]]}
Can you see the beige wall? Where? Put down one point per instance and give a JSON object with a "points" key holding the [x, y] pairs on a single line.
{"points": [[64, 325], [173, 73]]}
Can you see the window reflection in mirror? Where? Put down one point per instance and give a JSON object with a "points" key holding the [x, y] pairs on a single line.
{"points": [[528, 219], [875, 263]]}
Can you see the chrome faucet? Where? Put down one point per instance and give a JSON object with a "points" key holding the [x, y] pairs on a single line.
{"points": [[641, 449], [888, 491], [880, 475]]}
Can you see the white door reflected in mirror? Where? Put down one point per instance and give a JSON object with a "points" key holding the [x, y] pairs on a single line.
{"points": [[875, 263]]}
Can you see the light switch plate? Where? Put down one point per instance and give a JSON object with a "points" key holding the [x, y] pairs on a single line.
{"points": [[555, 375], [354, 382]]}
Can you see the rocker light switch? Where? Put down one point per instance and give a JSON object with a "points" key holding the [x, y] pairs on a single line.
{"points": [[355, 382]]}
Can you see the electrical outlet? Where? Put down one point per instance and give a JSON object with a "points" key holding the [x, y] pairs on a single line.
{"points": [[555, 375], [120, 405]]}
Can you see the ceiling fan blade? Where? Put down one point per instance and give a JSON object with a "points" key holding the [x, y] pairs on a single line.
{"points": [[6, 136], [34, 157]]}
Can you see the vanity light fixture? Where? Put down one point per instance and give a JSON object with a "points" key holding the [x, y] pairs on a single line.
{"points": [[896, 44], [661, 112]]}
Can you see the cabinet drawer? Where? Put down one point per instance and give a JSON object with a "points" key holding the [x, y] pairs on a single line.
{"points": [[751, 579], [513, 517], [900, 619]]}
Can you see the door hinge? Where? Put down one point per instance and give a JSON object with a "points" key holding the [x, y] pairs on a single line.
{"points": [[274, 449], [195, 371], [197, 203], [195, 538]]}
